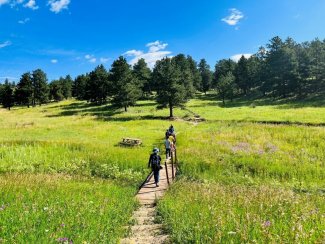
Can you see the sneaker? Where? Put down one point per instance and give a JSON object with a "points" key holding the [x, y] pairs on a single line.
{"points": [[157, 185]]}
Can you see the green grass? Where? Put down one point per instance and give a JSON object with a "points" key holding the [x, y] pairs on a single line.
{"points": [[218, 213], [246, 173], [259, 111], [48, 209]]}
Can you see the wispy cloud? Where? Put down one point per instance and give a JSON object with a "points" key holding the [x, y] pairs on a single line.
{"points": [[58, 5], [5, 44], [234, 17], [91, 58], [23, 21], [238, 56], [156, 52], [31, 4], [104, 60], [2, 2], [57, 52], [54, 61]]}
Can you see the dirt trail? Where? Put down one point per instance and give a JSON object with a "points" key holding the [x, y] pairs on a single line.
{"points": [[145, 230]]}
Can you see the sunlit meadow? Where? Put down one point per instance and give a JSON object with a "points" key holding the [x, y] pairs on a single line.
{"points": [[64, 177]]}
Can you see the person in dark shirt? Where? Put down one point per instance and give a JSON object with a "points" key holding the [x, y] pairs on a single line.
{"points": [[154, 163]]}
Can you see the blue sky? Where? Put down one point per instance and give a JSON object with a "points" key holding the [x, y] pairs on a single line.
{"points": [[73, 36]]}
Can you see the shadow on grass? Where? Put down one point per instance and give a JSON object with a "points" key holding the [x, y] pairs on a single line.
{"points": [[104, 112], [317, 101], [270, 122]]}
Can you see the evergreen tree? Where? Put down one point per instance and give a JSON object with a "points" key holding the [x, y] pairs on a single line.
{"points": [[222, 68], [186, 77], [304, 84], [143, 74], [171, 90], [197, 78], [7, 95], [226, 86], [317, 64], [206, 76], [24, 90], [283, 66], [79, 87], [241, 75], [66, 84], [56, 90], [253, 69], [40, 86], [97, 88], [125, 85]]}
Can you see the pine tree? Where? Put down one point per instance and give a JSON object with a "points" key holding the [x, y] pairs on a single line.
{"points": [[241, 75], [186, 73], [7, 95], [24, 90], [66, 84], [171, 90], [125, 85], [143, 74], [206, 76], [79, 87], [41, 89], [56, 90], [197, 78], [226, 86], [222, 68], [317, 64], [98, 86]]}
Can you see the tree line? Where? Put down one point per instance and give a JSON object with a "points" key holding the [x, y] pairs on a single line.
{"points": [[281, 69]]}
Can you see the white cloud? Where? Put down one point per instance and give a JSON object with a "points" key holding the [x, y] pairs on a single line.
{"points": [[238, 56], [92, 60], [156, 52], [156, 46], [234, 17], [5, 44], [104, 60], [31, 4], [58, 5], [24, 21], [88, 56], [54, 61], [2, 2]]}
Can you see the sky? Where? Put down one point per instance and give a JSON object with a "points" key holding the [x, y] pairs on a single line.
{"points": [[74, 36]]}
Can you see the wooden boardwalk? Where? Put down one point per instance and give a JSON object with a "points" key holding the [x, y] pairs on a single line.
{"points": [[145, 230]]}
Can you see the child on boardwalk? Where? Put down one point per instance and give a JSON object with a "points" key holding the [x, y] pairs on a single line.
{"points": [[167, 146]]}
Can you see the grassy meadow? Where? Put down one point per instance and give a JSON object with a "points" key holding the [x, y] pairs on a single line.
{"points": [[250, 173]]}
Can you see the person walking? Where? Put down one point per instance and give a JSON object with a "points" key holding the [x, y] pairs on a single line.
{"points": [[171, 131], [167, 146], [172, 145], [154, 163]]}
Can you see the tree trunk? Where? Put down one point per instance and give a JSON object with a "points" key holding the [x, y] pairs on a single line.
{"points": [[170, 111], [125, 108]]}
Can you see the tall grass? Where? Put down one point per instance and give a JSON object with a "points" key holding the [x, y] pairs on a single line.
{"points": [[241, 181], [62, 209], [217, 213]]}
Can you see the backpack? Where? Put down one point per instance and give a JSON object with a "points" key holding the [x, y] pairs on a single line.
{"points": [[155, 162]]}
